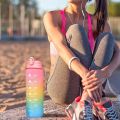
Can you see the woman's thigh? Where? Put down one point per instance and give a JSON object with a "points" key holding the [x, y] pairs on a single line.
{"points": [[66, 84]]}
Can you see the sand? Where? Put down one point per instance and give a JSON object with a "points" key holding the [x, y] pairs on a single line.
{"points": [[51, 112], [13, 56]]}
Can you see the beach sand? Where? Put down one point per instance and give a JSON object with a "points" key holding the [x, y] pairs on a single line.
{"points": [[13, 56]]}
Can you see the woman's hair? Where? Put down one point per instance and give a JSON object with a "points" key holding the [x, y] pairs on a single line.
{"points": [[101, 15]]}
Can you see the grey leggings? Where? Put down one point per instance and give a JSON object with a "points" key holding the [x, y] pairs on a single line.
{"points": [[65, 85]]}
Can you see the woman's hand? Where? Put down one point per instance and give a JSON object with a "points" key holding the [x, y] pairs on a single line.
{"points": [[93, 79], [94, 90], [96, 95], [93, 84], [97, 74]]}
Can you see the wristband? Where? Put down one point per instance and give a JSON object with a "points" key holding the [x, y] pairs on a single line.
{"points": [[69, 63]]}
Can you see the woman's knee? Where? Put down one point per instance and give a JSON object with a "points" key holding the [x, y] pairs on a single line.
{"points": [[79, 44], [107, 37], [75, 30], [75, 27], [105, 41]]}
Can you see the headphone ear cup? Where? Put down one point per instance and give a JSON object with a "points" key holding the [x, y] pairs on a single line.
{"points": [[91, 7]]}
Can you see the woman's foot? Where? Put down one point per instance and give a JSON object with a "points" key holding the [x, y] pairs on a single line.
{"points": [[80, 110], [85, 111], [70, 109], [106, 110]]}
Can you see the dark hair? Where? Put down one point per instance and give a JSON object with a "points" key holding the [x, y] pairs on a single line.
{"points": [[101, 15]]}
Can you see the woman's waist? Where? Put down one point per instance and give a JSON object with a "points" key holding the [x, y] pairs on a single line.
{"points": [[53, 60], [53, 50]]}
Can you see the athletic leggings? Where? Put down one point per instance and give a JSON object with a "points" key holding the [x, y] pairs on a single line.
{"points": [[66, 85]]}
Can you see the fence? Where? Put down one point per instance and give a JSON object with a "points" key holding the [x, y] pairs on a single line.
{"points": [[36, 27], [27, 28]]}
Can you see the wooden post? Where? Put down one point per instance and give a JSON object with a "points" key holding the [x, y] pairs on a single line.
{"points": [[22, 18], [10, 29], [26, 26], [32, 17]]}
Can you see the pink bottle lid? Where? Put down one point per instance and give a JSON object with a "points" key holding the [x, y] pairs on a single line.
{"points": [[32, 63]]}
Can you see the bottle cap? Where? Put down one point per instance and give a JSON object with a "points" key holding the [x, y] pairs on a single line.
{"points": [[32, 63], [31, 60]]}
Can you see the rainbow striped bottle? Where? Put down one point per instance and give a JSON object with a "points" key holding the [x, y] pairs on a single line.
{"points": [[34, 89]]}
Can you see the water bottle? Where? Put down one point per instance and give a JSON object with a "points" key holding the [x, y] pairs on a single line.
{"points": [[34, 89]]}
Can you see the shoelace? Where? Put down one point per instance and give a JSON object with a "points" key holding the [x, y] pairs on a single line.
{"points": [[87, 112], [111, 114]]}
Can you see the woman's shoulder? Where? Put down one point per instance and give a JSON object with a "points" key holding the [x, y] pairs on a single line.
{"points": [[54, 14], [54, 17]]}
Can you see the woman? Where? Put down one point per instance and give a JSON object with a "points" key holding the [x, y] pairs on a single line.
{"points": [[80, 65]]}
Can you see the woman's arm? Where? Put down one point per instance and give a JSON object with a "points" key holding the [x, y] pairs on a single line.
{"points": [[53, 30]]}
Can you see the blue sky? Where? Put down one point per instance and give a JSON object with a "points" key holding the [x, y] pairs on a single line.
{"points": [[54, 4]]}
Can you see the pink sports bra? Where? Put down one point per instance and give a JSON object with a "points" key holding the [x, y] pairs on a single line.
{"points": [[53, 50], [90, 33]]}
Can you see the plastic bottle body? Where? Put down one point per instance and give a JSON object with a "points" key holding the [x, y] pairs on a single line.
{"points": [[34, 90]]}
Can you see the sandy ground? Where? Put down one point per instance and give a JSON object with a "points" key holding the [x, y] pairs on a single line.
{"points": [[13, 56]]}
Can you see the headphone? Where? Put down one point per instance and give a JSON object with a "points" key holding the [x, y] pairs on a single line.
{"points": [[90, 8]]}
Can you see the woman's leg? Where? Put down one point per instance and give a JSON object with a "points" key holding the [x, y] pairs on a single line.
{"points": [[65, 85], [104, 50]]}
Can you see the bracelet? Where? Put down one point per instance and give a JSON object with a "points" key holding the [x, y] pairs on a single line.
{"points": [[69, 63]]}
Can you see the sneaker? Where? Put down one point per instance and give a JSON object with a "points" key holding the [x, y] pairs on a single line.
{"points": [[107, 111], [96, 113], [86, 111], [80, 110], [70, 109]]}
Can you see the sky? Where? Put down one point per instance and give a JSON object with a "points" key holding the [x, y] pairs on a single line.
{"points": [[54, 4]]}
